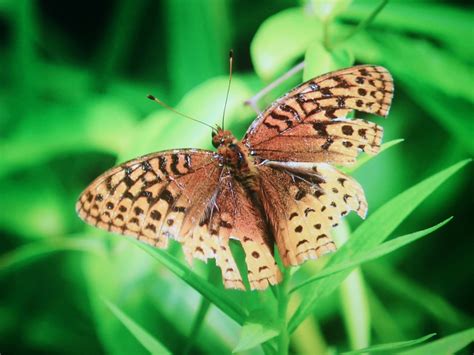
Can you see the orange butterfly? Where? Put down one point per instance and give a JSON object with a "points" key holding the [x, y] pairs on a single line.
{"points": [[274, 187]]}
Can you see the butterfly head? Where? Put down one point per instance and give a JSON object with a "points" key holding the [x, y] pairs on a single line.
{"points": [[221, 137]]}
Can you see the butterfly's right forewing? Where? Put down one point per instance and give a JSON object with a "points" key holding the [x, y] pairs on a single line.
{"points": [[186, 195], [153, 198]]}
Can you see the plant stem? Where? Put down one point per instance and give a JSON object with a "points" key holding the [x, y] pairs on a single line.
{"points": [[253, 101], [283, 299], [364, 23], [326, 37]]}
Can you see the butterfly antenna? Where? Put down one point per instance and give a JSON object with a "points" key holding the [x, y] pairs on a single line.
{"points": [[152, 98], [231, 57]]}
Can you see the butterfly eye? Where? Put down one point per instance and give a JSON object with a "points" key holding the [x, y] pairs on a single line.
{"points": [[213, 134]]}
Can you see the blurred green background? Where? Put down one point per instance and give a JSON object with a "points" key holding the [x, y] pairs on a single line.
{"points": [[74, 79]]}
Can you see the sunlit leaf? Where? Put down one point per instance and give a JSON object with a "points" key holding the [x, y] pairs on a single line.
{"points": [[447, 345], [391, 346], [282, 39], [372, 254], [328, 9], [319, 61], [257, 329]]}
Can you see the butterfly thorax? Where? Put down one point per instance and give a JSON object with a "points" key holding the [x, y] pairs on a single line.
{"points": [[235, 155]]}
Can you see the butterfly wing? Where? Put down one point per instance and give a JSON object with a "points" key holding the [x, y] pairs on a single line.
{"points": [[309, 123], [232, 214], [303, 203], [188, 196], [152, 197], [293, 141]]}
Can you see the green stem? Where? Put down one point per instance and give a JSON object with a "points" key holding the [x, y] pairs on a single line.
{"points": [[283, 299], [326, 37], [364, 23]]}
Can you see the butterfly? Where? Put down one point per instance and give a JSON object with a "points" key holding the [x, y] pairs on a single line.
{"points": [[275, 187]]}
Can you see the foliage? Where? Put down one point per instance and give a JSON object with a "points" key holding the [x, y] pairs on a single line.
{"points": [[72, 103]]}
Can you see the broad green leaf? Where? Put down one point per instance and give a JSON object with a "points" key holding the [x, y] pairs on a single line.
{"points": [[146, 339], [371, 233], [31, 252], [328, 9], [164, 129], [364, 158], [257, 329], [318, 60], [282, 39], [391, 346], [447, 345], [377, 252], [218, 297], [100, 124]]}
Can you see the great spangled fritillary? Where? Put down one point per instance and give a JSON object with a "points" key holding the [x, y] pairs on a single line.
{"points": [[274, 187]]}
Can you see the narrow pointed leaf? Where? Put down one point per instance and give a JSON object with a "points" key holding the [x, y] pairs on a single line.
{"points": [[447, 345], [29, 253], [372, 254], [390, 347], [371, 233], [364, 158], [144, 338], [218, 297]]}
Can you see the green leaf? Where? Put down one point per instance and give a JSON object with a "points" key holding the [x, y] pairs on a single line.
{"points": [[30, 253], [445, 22], [447, 345], [364, 158], [320, 61], [328, 9], [391, 346], [282, 39], [258, 328], [148, 341], [371, 233], [426, 300], [372, 254], [218, 297]]}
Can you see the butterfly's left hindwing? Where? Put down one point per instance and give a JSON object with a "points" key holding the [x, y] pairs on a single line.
{"points": [[303, 204]]}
